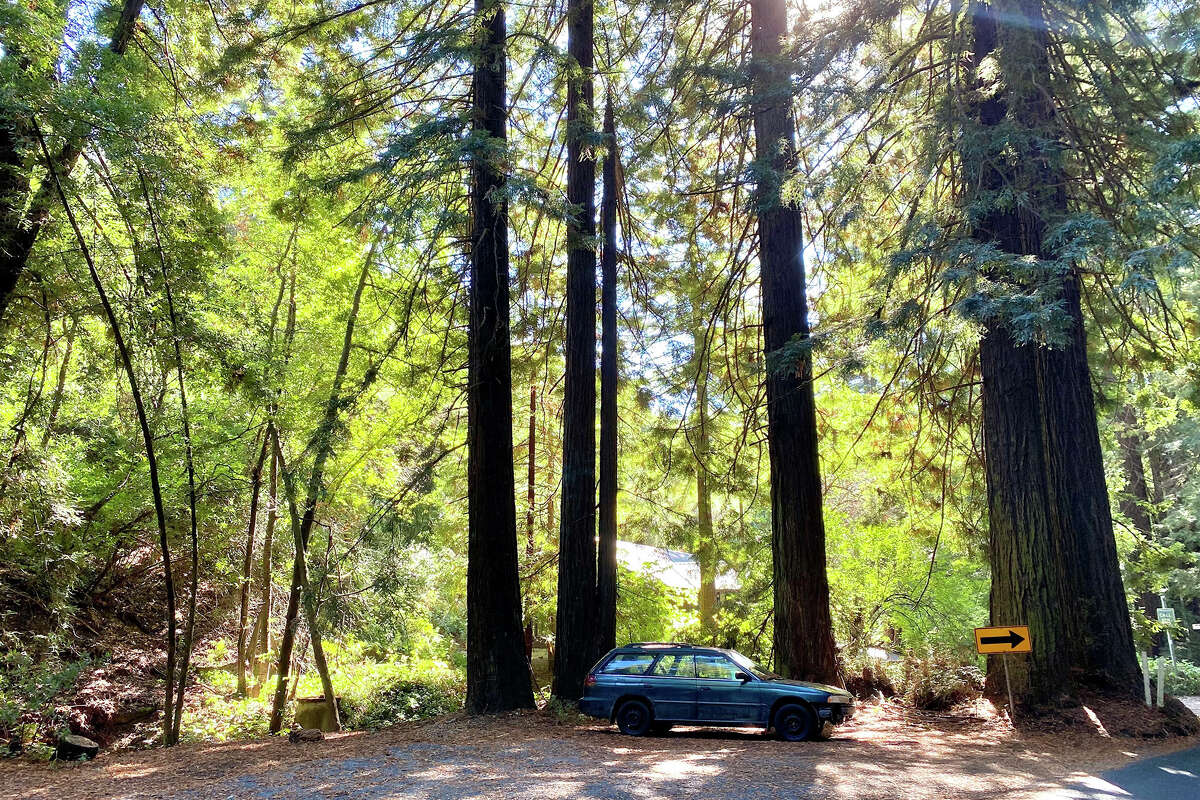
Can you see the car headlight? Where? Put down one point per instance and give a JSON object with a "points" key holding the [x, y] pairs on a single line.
{"points": [[839, 699]]}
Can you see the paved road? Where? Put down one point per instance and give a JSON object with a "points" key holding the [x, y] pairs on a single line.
{"points": [[1170, 777], [1173, 777]]}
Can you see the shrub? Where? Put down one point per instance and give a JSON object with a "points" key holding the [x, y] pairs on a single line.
{"points": [[938, 683], [864, 679], [1184, 679], [29, 684], [221, 718], [400, 691]]}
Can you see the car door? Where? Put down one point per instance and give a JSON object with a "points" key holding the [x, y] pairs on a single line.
{"points": [[721, 695], [671, 687]]}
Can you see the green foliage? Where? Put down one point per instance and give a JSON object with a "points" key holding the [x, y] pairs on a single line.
{"points": [[378, 693], [401, 691], [224, 717], [1183, 680], [374, 693], [650, 611], [28, 684], [263, 153], [938, 683]]}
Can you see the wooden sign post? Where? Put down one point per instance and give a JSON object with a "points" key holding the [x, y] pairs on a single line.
{"points": [[1002, 641]]}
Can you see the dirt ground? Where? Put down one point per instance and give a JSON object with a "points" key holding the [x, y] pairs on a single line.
{"points": [[886, 752]]}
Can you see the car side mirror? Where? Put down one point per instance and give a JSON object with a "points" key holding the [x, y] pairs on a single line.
{"points": [[742, 676]]}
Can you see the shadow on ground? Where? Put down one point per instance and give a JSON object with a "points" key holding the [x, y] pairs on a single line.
{"points": [[884, 754]]}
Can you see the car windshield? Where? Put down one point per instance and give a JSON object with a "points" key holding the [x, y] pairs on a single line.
{"points": [[748, 665]]}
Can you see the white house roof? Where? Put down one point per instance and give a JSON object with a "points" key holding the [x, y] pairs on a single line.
{"points": [[674, 568]]}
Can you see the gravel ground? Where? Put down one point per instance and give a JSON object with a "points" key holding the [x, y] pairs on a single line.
{"points": [[887, 752]]}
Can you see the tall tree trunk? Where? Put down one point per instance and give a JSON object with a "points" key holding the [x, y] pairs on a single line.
{"points": [[575, 640], [531, 473], [497, 672], [804, 646], [189, 634], [244, 645], [606, 561], [147, 440], [1135, 501], [261, 641], [1052, 544], [22, 217], [60, 385], [530, 511], [322, 446], [308, 601], [705, 550]]}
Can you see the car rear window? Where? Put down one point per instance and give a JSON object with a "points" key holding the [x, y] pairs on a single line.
{"points": [[628, 664]]}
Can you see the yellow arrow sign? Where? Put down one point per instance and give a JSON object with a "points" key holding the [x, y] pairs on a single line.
{"points": [[1004, 639]]}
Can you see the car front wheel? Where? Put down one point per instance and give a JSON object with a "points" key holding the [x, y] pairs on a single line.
{"points": [[633, 718], [795, 723]]}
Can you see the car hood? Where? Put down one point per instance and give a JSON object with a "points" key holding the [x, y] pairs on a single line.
{"points": [[819, 687]]}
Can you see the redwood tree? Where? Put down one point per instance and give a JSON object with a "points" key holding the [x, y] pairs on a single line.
{"points": [[498, 677], [575, 640], [804, 646], [1053, 555], [606, 563]]}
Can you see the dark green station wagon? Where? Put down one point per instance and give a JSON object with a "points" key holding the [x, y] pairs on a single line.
{"points": [[650, 686]]}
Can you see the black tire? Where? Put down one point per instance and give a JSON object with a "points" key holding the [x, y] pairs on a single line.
{"points": [[634, 718], [660, 728], [795, 723]]}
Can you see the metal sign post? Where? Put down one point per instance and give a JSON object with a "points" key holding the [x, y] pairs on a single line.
{"points": [[1146, 677], [1012, 707], [1001, 641]]}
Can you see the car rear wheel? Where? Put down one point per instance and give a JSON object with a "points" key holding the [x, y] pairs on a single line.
{"points": [[795, 723], [633, 718]]}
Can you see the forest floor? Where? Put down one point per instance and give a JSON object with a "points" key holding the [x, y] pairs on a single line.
{"points": [[887, 751]]}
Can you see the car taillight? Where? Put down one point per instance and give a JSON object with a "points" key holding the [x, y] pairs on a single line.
{"points": [[590, 680]]}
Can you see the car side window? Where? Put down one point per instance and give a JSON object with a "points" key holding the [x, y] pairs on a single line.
{"points": [[674, 665], [716, 667], [628, 664]]}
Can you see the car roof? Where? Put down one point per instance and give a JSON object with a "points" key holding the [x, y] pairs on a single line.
{"points": [[658, 647]]}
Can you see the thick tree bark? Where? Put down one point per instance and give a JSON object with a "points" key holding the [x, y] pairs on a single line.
{"points": [[804, 646], [22, 217], [1052, 545], [1028, 579], [498, 677], [575, 640], [606, 561]]}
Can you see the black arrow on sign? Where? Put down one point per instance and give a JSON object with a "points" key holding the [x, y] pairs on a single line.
{"points": [[1012, 639]]}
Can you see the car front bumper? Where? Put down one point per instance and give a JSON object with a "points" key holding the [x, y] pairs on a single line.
{"points": [[836, 713]]}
